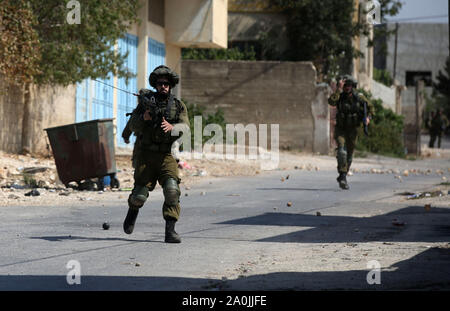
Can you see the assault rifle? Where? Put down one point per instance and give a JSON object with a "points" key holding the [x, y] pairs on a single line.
{"points": [[149, 104]]}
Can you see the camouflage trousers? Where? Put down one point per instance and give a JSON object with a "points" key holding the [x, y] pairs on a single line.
{"points": [[346, 141], [152, 167]]}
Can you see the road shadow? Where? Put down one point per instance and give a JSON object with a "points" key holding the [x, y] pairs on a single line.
{"points": [[61, 238], [429, 270], [410, 224], [301, 189]]}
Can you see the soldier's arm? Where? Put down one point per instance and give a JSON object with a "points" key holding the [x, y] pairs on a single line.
{"points": [[137, 122], [370, 109], [184, 118], [126, 133]]}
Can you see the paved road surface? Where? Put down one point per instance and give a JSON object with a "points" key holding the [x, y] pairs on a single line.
{"points": [[238, 234]]}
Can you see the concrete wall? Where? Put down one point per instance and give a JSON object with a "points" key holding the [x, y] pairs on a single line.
{"points": [[321, 119], [50, 106], [386, 94], [420, 47], [261, 93], [202, 23], [409, 113], [250, 26]]}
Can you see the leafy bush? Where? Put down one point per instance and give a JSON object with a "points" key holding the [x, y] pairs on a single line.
{"points": [[215, 118], [383, 76], [219, 54], [385, 131]]}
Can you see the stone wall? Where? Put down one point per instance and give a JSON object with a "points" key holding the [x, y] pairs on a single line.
{"points": [[50, 106], [386, 94], [262, 92]]}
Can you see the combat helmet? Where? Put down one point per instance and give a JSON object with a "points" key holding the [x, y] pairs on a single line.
{"points": [[350, 80], [166, 72]]}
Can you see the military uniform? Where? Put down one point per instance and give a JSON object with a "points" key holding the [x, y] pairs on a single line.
{"points": [[349, 117], [126, 133], [437, 125], [152, 157]]}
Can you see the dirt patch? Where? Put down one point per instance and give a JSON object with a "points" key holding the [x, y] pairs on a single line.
{"points": [[19, 174]]}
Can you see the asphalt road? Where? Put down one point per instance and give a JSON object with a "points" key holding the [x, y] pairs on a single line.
{"points": [[237, 234]]}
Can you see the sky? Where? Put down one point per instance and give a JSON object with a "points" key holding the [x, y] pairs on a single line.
{"points": [[422, 8]]}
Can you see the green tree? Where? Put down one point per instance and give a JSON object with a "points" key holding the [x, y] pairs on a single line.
{"points": [[19, 45], [322, 32], [382, 76], [62, 53], [217, 117], [218, 54]]}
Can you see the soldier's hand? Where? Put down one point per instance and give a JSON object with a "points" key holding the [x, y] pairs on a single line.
{"points": [[166, 126], [367, 121], [341, 84], [333, 86], [147, 116]]}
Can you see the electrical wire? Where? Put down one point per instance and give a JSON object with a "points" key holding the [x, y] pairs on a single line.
{"points": [[116, 87], [415, 18]]}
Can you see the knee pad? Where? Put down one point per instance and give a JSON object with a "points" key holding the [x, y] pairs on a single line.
{"points": [[341, 155], [171, 192], [138, 196]]}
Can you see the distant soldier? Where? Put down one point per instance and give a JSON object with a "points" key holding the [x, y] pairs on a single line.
{"points": [[152, 121], [437, 125], [349, 117]]}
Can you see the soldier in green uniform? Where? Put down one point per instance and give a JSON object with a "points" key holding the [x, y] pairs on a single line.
{"points": [[152, 121], [349, 117], [437, 124], [126, 133]]}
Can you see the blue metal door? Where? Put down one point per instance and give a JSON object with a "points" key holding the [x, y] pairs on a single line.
{"points": [[82, 101], [156, 56], [94, 100], [127, 102], [102, 100]]}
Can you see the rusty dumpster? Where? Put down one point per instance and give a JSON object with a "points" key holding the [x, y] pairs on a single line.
{"points": [[84, 150]]}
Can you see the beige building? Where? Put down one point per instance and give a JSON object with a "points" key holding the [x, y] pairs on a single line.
{"points": [[166, 27]]}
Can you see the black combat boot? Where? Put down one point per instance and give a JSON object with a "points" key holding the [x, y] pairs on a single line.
{"points": [[130, 220], [171, 235], [342, 180]]}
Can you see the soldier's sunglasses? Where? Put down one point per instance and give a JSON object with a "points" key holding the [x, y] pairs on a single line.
{"points": [[162, 83]]}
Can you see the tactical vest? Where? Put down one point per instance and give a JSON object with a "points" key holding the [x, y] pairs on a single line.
{"points": [[153, 134], [349, 112], [437, 124]]}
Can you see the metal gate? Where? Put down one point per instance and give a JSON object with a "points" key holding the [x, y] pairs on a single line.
{"points": [[156, 56], [94, 100], [127, 102]]}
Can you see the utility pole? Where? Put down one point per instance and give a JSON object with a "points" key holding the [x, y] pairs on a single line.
{"points": [[419, 107], [395, 51]]}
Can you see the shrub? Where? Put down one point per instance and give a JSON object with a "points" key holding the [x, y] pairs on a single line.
{"points": [[216, 118], [383, 76], [385, 131]]}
